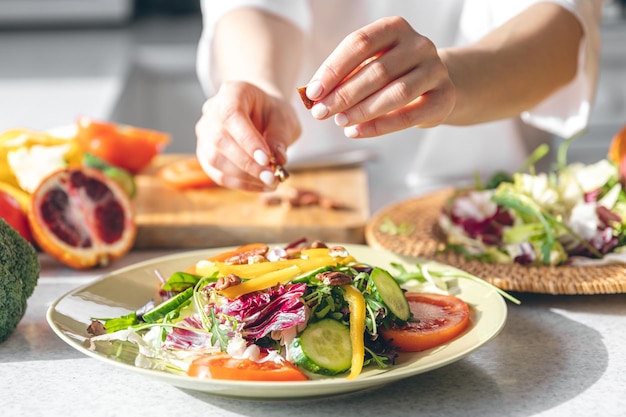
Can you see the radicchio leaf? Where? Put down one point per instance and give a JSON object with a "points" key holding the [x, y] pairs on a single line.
{"points": [[260, 313]]}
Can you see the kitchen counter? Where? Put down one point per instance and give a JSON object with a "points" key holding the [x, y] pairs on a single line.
{"points": [[556, 356]]}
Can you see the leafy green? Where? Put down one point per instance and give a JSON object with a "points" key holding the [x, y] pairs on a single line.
{"points": [[389, 227]]}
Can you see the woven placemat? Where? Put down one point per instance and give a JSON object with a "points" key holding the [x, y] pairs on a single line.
{"points": [[426, 240]]}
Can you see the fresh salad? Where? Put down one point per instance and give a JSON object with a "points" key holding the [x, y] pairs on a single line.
{"points": [[575, 214], [287, 313]]}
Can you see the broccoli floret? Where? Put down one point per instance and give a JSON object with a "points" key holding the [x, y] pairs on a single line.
{"points": [[19, 273]]}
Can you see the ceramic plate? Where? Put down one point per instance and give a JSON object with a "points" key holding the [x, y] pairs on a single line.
{"points": [[124, 290]]}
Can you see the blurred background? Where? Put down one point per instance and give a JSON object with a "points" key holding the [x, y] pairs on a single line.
{"points": [[133, 61]]}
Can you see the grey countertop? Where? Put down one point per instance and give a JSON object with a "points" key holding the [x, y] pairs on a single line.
{"points": [[556, 356]]}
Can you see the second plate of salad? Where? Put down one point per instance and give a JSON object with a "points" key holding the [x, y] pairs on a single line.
{"points": [[122, 299]]}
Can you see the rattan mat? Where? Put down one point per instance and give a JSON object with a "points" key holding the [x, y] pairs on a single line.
{"points": [[426, 240]]}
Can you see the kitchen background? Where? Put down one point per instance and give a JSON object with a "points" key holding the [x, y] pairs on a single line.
{"points": [[134, 62]]}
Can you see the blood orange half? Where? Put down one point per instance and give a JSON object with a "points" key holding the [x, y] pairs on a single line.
{"points": [[82, 218]]}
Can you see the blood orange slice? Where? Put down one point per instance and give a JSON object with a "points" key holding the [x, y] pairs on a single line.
{"points": [[82, 218]]}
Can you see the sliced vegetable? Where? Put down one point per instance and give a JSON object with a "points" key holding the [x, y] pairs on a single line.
{"points": [[185, 174], [391, 294], [168, 306], [324, 348], [223, 366], [262, 282], [438, 318], [356, 304]]}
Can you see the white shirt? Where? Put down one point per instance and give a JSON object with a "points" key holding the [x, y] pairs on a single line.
{"points": [[424, 158]]}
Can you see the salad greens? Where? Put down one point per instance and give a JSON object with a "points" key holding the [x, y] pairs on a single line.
{"points": [[575, 211], [332, 290]]}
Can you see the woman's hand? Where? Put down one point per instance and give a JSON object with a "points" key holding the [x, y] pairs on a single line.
{"points": [[383, 78], [243, 131]]}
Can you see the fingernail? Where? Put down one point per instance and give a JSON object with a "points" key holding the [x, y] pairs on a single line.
{"points": [[341, 119], [267, 177], [260, 157], [319, 111], [351, 131], [314, 89]]}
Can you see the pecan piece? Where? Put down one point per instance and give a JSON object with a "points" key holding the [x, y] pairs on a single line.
{"points": [[334, 278], [228, 281], [279, 171], [256, 255], [96, 328], [308, 103], [338, 251]]}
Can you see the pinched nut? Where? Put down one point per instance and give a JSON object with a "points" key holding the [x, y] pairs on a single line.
{"points": [[338, 251], [228, 281], [279, 171], [308, 103], [334, 278], [257, 255]]}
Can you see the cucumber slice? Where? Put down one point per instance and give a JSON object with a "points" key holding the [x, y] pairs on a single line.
{"points": [[160, 311], [324, 347], [391, 294]]}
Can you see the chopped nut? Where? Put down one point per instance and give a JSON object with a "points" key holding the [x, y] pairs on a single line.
{"points": [[228, 281], [308, 103], [256, 258], [304, 198], [244, 257], [334, 278], [96, 328], [338, 251]]}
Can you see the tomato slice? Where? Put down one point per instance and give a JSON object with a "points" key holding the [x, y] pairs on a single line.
{"points": [[128, 147], [438, 319], [223, 366], [185, 173], [13, 213]]}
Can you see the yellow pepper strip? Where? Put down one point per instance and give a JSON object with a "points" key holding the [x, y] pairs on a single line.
{"points": [[356, 304], [314, 252], [261, 282], [255, 269]]}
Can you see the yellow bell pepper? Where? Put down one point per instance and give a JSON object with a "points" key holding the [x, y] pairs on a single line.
{"points": [[255, 269], [261, 282], [356, 304]]}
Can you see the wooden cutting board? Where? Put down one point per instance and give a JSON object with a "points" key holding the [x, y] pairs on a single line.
{"points": [[169, 218]]}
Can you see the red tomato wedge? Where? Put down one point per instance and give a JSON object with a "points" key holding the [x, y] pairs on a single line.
{"points": [[223, 366], [128, 147], [185, 174], [438, 319]]}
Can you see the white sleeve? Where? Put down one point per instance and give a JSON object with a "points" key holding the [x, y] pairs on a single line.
{"points": [[567, 111], [295, 11]]}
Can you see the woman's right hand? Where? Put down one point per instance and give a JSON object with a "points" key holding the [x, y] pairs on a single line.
{"points": [[242, 132]]}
